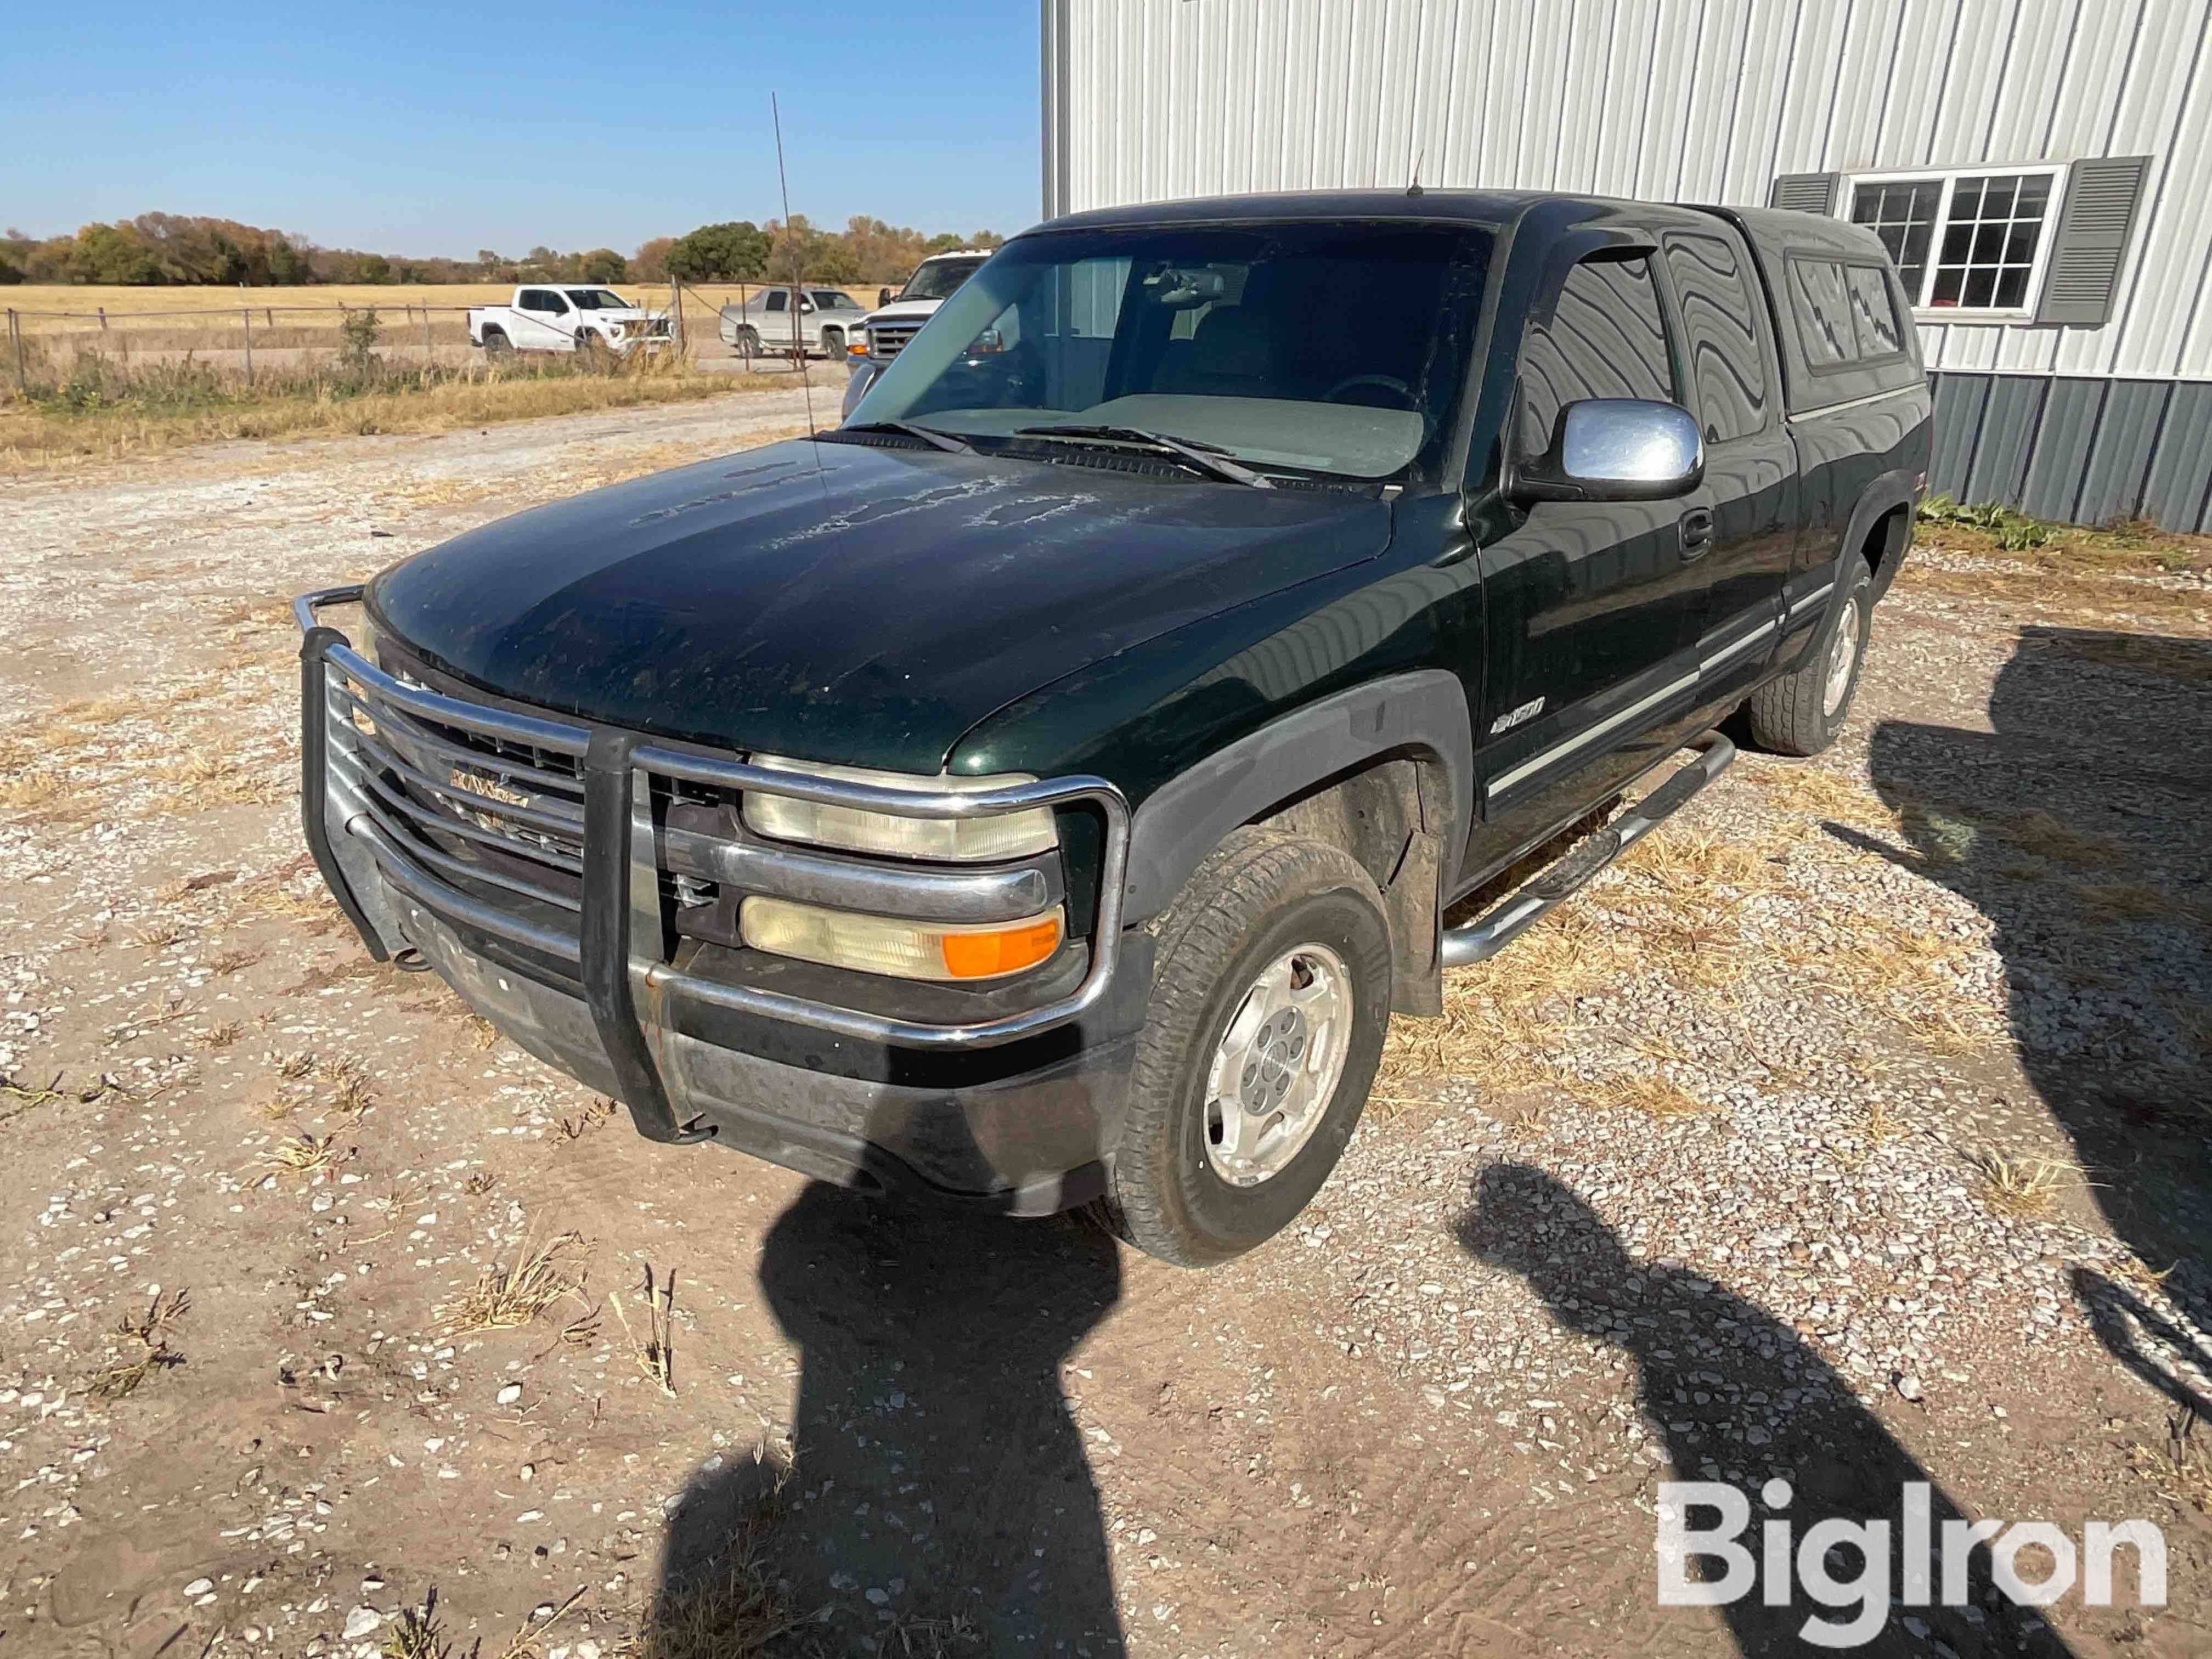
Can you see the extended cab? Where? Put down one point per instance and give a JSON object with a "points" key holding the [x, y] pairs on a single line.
{"points": [[1042, 789], [567, 318], [886, 330]]}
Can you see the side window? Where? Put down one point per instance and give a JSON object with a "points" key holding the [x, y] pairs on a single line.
{"points": [[1823, 308], [776, 297], [532, 299], [553, 303], [1874, 312], [1606, 338], [1727, 366]]}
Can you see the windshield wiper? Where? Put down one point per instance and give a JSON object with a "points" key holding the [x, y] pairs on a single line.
{"points": [[1207, 458], [928, 435]]}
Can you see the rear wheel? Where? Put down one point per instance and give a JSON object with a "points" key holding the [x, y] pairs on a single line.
{"points": [[1270, 996], [749, 341], [496, 342], [1803, 712]]}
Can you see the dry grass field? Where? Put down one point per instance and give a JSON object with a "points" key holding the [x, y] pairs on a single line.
{"points": [[169, 367], [51, 307]]}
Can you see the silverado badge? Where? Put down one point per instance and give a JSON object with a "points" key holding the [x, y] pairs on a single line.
{"points": [[484, 784], [1527, 711]]}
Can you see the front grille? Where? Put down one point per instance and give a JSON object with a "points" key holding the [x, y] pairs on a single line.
{"points": [[889, 339], [421, 802], [500, 819]]}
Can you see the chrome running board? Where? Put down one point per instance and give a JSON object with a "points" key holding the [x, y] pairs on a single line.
{"points": [[1529, 904]]}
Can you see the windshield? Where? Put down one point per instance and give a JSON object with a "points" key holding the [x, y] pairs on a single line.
{"points": [[829, 299], [598, 298], [940, 279], [1330, 348]]}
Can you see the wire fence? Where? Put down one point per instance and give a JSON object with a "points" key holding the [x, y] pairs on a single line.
{"points": [[47, 351]]}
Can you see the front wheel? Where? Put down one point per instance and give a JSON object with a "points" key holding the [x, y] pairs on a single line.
{"points": [[1803, 712], [1270, 999], [833, 343]]}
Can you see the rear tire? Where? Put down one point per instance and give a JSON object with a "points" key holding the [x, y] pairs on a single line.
{"points": [[1210, 1163], [496, 344], [1803, 712], [749, 344]]}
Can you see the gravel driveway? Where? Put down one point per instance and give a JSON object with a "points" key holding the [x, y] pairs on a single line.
{"points": [[1853, 1133]]}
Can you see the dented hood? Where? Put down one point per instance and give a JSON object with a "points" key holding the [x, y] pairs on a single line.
{"points": [[839, 603]]}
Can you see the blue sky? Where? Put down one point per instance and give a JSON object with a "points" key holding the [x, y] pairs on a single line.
{"points": [[416, 129]]}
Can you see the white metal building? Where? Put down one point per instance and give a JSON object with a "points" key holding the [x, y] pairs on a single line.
{"points": [[2041, 168]]}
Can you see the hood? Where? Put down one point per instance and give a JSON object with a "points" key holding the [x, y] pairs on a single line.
{"points": [[840, 603], [903, 311]]}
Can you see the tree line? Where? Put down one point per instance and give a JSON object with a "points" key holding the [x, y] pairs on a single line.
{"points": [[188, 250]]}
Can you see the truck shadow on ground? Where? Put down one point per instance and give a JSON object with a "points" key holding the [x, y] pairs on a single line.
{"points": [[937, 1499], [1736, 1397], [2081, 827]]}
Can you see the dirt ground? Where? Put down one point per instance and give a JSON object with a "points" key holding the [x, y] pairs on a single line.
{"points": [[1854, 1135]]}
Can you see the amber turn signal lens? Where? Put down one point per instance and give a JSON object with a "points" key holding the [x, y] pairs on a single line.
{"points": [[886, 945], [987, 954]]}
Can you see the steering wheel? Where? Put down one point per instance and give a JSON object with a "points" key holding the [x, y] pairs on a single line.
{"points": [[1387, 382]]}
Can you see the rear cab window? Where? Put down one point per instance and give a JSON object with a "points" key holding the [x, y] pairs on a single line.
{"points": [[1727, 370]]}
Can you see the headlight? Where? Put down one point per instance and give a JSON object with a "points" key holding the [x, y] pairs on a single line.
{"points": [[963, 841], [906, 950]]}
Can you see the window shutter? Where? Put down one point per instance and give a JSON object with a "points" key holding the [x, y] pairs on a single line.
{"points": [[2083, 270], [1805, 193]]}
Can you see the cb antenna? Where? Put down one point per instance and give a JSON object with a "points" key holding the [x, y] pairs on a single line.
{"points": [[798, 337], [1414, 188]]}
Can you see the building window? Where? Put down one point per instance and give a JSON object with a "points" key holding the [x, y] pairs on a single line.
{"points": [[1964, 242]]}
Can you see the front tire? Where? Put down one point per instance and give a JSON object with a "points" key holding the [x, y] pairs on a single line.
{"points": [[1271, 996], [833, 344], [1803, 712]]}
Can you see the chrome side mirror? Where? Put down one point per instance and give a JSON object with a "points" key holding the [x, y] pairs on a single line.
{"points": [[1619, 449]]}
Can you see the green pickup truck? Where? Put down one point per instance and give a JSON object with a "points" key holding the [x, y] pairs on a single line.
{"points": [[1041, 789]]}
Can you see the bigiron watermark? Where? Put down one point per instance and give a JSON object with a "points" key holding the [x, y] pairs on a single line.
{"points": [[1932, 1562]]}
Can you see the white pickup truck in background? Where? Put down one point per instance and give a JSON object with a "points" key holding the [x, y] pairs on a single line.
{"points": [[544, 317], [824, 321]]}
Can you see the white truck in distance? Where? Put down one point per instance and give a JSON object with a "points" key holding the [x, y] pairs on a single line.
{"points": [[885, 330], [827, 318], [571, 318]]}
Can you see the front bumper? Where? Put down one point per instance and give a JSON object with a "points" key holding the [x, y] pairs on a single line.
{"points": [[1019, 1108], [1033, 1143]]}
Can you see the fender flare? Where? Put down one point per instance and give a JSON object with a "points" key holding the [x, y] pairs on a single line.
{"points": [[1186, 817], [1884, 495]]}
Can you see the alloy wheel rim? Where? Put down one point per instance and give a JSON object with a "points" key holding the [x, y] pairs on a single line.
{"points": [[1278, 1065], [1843, 657]]}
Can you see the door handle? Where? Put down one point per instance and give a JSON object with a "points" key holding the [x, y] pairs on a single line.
{"points": [[1697, 532]]}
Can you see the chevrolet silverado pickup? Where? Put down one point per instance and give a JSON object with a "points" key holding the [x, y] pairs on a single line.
{"points": [[581, 318], [1040, 790]]}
